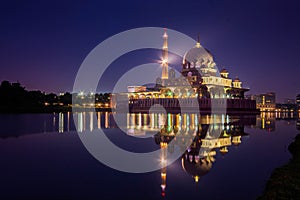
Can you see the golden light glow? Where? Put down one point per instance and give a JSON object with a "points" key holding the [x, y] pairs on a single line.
{"points": [[164, 62]]}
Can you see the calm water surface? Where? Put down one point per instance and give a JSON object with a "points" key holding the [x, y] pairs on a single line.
{"points": [[42, 156]]}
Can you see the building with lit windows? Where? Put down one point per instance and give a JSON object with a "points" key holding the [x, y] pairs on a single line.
{"points": [[266, 102], [200, 86]]}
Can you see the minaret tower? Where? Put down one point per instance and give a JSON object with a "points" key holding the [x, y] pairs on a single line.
{"points": [[164, 63], [198, 41]]}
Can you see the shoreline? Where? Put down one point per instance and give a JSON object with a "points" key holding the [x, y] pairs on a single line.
{"points": [[47, 110], [284, 182]]}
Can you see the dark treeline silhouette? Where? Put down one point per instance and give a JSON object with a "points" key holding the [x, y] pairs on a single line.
{"points": [[15, 98]]}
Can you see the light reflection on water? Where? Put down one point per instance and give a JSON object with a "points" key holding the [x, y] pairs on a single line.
{"points": [[212, 150], [136, 124]]}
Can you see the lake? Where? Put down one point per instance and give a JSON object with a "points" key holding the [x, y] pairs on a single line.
{"points": [[228, 157]]}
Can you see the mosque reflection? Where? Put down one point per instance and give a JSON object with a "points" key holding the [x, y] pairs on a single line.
{"points": [[212, 135]]}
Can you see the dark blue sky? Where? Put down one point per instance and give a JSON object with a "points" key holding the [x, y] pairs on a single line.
{"points": [[42, 44]]}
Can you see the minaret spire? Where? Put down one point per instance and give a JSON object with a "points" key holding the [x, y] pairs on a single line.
{"points": [[198, 41], [164, 63]]}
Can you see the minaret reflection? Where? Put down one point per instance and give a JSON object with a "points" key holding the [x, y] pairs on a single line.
{"points": [[163, 173], [170, 125], [165, 135]]}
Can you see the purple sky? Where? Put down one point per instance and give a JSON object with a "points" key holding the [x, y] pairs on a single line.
{"points": [[42, 44]]}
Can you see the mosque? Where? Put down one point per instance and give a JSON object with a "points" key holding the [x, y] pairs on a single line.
{"points": [[199, 85]]}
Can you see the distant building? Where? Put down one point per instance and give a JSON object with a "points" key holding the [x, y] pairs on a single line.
{"points": [[266, 102], [289, 105], [298, 100], [289, 101], [286, 107]]}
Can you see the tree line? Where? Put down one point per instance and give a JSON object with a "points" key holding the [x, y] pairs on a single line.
{"points": [[15, 98]]}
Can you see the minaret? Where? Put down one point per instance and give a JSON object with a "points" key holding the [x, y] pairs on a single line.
{"points": [[198, 42], [164, 63]]}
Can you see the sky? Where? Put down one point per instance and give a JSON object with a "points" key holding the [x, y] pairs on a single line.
{"points": [[43, 43]]}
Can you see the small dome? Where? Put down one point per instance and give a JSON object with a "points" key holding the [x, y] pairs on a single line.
{"points": [[236, 80], [223, 71]]}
